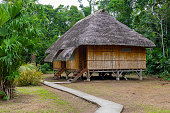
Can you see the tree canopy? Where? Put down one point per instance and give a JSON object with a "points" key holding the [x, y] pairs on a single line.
{"points": [[29, 28]]}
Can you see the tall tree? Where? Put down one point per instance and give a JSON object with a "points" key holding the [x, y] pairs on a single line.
{"points": [[18, 37], [89, 9], [122, 10], [151, 19], [86, 10], [74, 15], [54, 23]]}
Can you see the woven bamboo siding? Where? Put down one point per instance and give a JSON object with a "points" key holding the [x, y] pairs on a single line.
{"points": [[112, 57], [56, 64], [74, 63]]}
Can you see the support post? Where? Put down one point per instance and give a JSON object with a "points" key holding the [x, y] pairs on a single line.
{"points": [[123, 75], [117, 76], [140, 75], [54, 77], [88, 76], [67, 73]]}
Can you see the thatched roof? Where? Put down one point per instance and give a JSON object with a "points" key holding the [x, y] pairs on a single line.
{"points": [[97, 29]]}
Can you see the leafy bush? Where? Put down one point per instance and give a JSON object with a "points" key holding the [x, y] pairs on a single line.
{"points": [[29, 75], [158, 65], [2, 94], [45, 67], [165, 75]]}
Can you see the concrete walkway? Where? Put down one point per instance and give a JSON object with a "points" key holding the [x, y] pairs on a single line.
{"points": [[105, 105]]}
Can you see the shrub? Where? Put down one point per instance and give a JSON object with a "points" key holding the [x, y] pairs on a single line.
{"points": [[2, 95], [28, 75], [45, 68], [165, 75]]}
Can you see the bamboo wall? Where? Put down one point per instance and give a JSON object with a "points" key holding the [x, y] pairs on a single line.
{"points": [[112, 57], [74, 63], [56, 64]]}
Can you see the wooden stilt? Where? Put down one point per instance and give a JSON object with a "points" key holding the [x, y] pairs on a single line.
{"points": [[67, 73], [88, 75], [66, 76], [117, 76], [140, 75], [123, 75], [54, 73]]}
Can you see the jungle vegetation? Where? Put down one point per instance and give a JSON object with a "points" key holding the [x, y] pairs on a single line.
{"points": [[27, 29]]}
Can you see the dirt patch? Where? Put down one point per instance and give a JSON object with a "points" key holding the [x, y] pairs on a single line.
{"points": [[45, 99], [149, 95], [134, 95]]}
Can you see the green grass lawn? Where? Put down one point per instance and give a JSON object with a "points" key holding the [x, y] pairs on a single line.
{"points": [[36, 99]]}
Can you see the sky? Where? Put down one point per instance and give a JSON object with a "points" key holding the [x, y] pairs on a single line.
{"points": [[56, 3]]}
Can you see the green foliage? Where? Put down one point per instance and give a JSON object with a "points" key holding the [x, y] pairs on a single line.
{"points": [[19, 36], [158, 65], [152, 23], [27, 28], [122, 10], [45, 67], [74, 15], [28, 75], [102, 4], [2, 95], [53, 23], [86, 10], [165, 75], [9, 10], [156, 62]]}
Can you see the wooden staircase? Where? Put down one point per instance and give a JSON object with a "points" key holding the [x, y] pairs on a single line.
{"points": [[77, 75], [59, 72]]}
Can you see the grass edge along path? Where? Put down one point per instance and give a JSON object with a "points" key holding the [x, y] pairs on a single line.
{"points": [[36, 99], [105, 106]]}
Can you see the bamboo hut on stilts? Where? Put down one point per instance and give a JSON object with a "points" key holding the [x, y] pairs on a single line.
{"points": [[99, 43]]}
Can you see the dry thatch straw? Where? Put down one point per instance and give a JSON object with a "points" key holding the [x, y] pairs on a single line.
{"points": [[97, 29]]}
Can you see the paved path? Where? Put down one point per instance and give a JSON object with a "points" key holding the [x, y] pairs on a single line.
{"points": [[105, 105]]}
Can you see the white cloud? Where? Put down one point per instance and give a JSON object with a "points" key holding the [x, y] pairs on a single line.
{"points": [[56, 3]]}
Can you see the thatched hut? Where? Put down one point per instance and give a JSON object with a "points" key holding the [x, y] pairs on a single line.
{"points": [[99, 43]]}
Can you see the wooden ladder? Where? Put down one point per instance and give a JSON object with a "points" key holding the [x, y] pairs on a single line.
{"points": [[59, 72], [77, 75]]}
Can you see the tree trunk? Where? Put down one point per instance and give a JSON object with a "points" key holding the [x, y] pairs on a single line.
{"points": [[33, 58], [162, 34], [163, 49], [8, 89]]}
